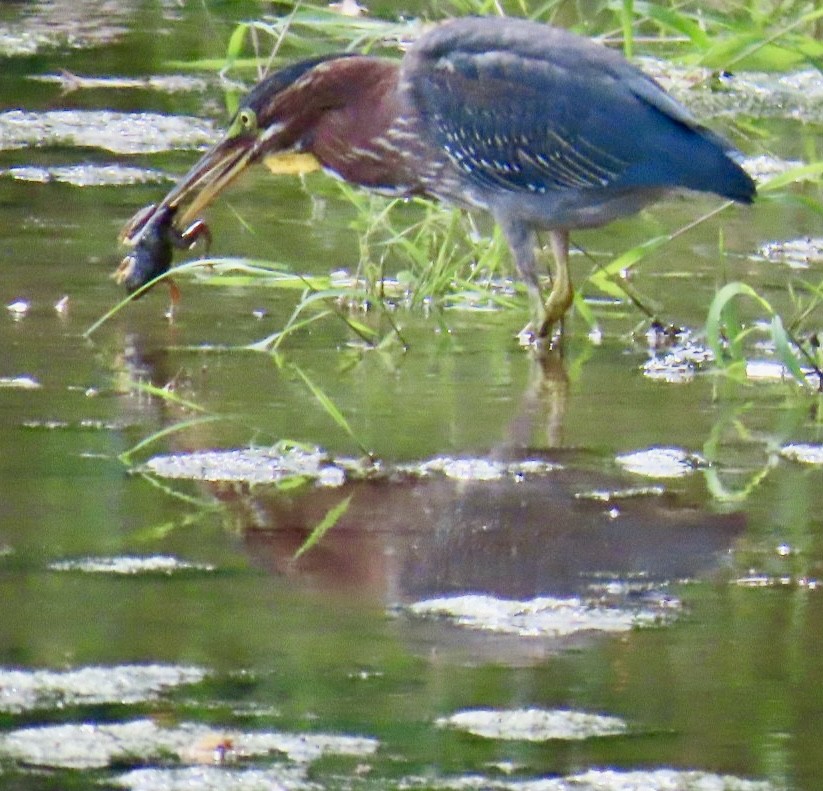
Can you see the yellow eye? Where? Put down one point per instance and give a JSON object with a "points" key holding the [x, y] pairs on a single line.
{"points": [[244, 122], [248, 120]]}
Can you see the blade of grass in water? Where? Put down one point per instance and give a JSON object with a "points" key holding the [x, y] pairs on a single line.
{"points": [[218, 265], [721, 320], [810, 172], [329, 406], [126, 456], [783, 347]]}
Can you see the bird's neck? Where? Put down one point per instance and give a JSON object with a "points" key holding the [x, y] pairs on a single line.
{"points": [[364, 137]]}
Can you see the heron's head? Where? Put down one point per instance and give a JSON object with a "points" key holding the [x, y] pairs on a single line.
{"points": [[273, 124]]}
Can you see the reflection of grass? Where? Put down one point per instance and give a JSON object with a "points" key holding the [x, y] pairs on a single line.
{"points": [[168, 395], [329, 407], [332, 517]]}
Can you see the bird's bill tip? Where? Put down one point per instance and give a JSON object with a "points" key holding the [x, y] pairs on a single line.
{"points": [[207, 178], [210, 175]]}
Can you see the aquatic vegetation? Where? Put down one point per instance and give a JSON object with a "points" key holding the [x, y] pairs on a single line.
{"points": [[727, 337]]}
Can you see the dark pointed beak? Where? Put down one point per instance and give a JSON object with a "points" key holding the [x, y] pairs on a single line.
{"points": [[212, 173]]}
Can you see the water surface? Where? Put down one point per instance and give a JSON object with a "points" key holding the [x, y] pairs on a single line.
{"points": [[599, 571]]}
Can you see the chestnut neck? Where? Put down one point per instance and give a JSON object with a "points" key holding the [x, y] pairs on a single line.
{"points": [[344, 111]]}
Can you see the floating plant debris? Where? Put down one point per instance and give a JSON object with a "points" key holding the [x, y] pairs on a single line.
{"points": [[130, 565], [25, 690], [120, 133], [165, 83], [544, 616], [87, 175], [96, 746], [805, 453], [534, 725], [19, 382], [794, 253], [660, 462], [270, 465]]}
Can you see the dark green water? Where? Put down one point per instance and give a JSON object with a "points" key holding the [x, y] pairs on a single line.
{"points": [[727, 558]]}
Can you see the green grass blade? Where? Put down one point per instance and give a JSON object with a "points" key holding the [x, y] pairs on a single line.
{"points": [[679, 23], [718, 317], [626, 21], [605, 277], [330, 407], [236, 42], [126, 456], [167, 395], [785, 352], [810, 172], [122, 304]]}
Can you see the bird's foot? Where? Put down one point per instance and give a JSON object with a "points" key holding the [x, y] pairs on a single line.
{"points": [[541, 339], [540, 332], [527, 337], [545, 330]]}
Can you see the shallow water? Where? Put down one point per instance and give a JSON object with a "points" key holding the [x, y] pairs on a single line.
{"points": [[595, 572]]}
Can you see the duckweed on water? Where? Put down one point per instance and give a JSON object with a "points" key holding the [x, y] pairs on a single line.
{"points": [[87, 175], [660, 462], [117, 132], [84, 746]]}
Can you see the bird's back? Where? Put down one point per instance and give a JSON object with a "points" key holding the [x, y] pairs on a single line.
{"points": [[526, 112]]}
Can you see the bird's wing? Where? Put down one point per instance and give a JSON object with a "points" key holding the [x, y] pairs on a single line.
{"points": [[538, 110]]}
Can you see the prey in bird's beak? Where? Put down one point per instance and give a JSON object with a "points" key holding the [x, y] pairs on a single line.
{"points": [[257, 133], [153, 231], [212, 173], [152, 255]]}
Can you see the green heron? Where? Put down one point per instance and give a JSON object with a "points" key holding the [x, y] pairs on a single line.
{"points": [[539, 127]]}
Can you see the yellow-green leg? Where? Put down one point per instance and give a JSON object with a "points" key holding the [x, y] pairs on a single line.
{"points": [[562, 294], [544, 313]]}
